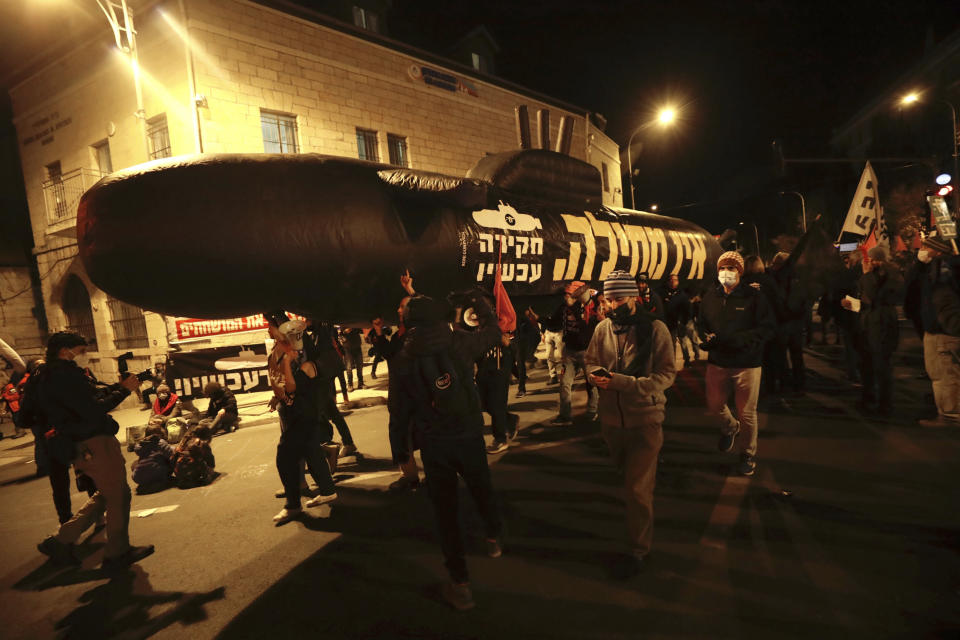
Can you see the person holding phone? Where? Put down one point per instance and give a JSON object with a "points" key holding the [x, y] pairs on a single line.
{"points": [[631, 360]]}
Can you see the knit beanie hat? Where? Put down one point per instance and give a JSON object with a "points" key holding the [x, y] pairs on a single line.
{"points": [[731, 259], [938, 244], [575, 288], [620, 284]]}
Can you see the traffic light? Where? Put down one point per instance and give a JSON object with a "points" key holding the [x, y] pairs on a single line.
{"points": [[945, 190]]}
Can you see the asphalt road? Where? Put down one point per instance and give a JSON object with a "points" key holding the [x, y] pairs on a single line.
{"points": [[849, 529]]}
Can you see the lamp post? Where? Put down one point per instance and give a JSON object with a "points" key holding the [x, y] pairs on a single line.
{"points": [[756, 235], [803, 207], [914, 97], [666, 117], [125, 36]]}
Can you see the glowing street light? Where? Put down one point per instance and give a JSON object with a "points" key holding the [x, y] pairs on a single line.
{"points": [[665, 118], [654, 207], [914, 97]]}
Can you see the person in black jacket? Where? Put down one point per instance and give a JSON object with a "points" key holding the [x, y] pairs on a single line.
{"points": [[756, 276], [222, 412], [578, 317], [432, 389], [677, 313], [493, 381], [735, 323], [87, 433]]}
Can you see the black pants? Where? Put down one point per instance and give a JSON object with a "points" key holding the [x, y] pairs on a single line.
{"points": [[355, 361], [791, 343], [443, 461], [494, 389], [299, 441], [377, 359], [520, 364], [330, 412], [876, 373]]}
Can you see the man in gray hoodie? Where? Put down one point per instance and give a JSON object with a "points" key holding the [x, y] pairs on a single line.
{"points": [[631, 360]]}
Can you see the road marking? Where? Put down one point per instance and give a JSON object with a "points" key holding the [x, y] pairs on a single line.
{"points": [[144, 513], [366, 476], [725, 512]]}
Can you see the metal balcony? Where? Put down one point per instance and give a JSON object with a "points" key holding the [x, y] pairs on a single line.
{"points": [[61, 196]]}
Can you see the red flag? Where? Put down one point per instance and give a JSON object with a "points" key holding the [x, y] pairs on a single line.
{"points": [[869, 243], [899, 246], [917, 242], [506, 316]]}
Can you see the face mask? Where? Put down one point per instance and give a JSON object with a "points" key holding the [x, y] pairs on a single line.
{"points": [[727, 278], [80, 359], [620, 314], [163, 397], [924, 256]]}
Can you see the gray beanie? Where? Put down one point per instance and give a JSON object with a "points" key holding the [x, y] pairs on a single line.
{"points": [[620, 284]]}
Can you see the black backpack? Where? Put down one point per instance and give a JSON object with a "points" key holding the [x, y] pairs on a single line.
{"points": [[448, 392]]}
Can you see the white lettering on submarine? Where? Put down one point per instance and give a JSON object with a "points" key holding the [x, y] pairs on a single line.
{"points": [[647, 248]]}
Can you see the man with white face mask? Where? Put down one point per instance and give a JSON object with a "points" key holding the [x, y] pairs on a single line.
{"points": [[941, 344], [734, 323]]}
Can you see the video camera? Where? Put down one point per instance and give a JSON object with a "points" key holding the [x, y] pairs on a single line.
{"points": [[122, 366]]}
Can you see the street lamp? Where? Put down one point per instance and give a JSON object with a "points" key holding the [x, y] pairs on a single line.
{"points": [[914, 97], [756, 235], [803, 206], [125, 36], [666, 117]]}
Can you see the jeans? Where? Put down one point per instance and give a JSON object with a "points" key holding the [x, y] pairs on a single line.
{"points": [[494, 389], [443, 461], [745, 384], [355, 361], [635, 451], [101, 459], [572, 362], [941, 356], [299, 441], [554, 340], [330, 413]]}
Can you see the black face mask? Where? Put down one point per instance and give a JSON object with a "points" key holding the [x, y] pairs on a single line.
{"points": [[620, 314]]}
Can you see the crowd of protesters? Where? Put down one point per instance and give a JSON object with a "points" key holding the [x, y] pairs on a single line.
{"points": [[452, 360]]}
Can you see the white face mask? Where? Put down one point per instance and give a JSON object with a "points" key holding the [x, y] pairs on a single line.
{"points": [[924, 256], [727, 278], [81, 360]]}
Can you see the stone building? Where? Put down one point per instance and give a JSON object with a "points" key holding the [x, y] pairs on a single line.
{"points": [[245, 77]]}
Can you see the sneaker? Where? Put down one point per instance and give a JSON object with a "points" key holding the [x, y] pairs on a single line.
{"points": [[560, 420], [18, 433], [591, 416], [748, 464], [726, 441], [286, 515], [626, 566], [457, 596], [321, 499], [936, 423], [348, 450], [403, 483], [497, 446], [521, 393], [494, 550], [124, 560], [554, 380], [59, 552]]}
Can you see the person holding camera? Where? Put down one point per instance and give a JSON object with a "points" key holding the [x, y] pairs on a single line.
{"points": [[82, 431], [631, 361]]}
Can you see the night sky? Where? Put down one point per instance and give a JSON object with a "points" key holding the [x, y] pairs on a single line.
{"points": [[742, 73]]}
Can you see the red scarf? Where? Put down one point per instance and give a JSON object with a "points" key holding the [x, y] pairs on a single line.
{"points": [[166, 409]]}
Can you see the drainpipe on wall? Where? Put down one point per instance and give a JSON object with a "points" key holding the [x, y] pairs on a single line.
{"points": [[191, 81]]}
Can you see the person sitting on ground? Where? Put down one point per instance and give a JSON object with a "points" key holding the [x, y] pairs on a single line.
{"points": [[193, 461], [222, 412], [154, 465], [167, 404]]}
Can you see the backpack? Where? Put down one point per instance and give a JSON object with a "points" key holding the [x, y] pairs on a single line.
{"points": [[191, 468], [445, 387]]}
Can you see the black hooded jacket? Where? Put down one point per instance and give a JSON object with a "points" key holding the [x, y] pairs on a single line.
{"points": [[408, 402], [73, 406]]}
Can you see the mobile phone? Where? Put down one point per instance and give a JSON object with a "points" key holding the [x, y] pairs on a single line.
{"points": [[602, 373]]}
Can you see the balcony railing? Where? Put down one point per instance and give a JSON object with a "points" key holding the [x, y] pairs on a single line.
{"points": [[61, 196]]}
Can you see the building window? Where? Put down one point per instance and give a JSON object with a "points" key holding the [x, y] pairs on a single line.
{"points": [[129, 325], [478, 61], [101, 152], [366, 19], [279, 132], [158, 137], [76, 307], [398, 150], [58, 194], [367, 145], [605, 176]]}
